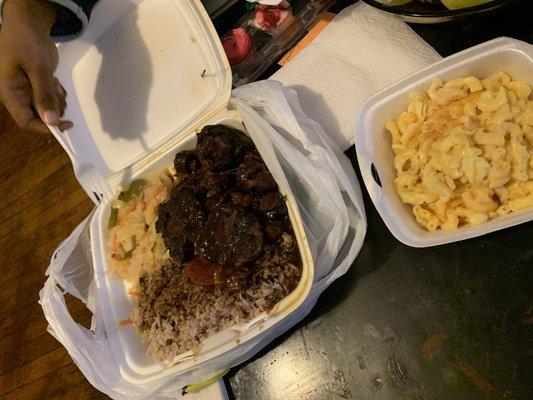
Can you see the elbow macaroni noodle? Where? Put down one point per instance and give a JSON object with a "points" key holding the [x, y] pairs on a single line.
{"points": [[464, 151]]}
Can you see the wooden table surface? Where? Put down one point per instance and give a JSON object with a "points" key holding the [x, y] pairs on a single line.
{"points": [[41, 203]]}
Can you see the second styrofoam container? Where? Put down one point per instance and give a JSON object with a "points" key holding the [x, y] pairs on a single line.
{"points": [[373, 143]]}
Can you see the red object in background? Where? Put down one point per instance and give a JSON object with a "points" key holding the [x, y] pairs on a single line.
{"points": [[269, 18], [237, 45]]}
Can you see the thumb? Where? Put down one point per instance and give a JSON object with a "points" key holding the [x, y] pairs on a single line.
{"points": [[45, 99]]}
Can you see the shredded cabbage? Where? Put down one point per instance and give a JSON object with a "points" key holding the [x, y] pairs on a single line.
{"points": [[134, 246]]}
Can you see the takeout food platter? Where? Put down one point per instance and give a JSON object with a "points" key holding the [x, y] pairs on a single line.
{"points": [[113, 293], [142, 81]]}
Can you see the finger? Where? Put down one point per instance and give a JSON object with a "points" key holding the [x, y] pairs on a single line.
{"points": [[61, 97], [18, 103], [38, 126], [60, 89], [62, 105], [44, 96]]}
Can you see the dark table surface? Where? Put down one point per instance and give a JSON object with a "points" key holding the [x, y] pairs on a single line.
{"points": [[447, 322]]}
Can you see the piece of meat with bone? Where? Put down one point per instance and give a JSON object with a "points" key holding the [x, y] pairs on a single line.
{"points": [[241, 200], [220, 147], [186, 162], [271, 205], [214, 153], [230, 237], [253, 175], [178, 220]]}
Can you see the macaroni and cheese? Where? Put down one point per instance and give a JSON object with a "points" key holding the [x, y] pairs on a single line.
{"points": [[464, 151]]}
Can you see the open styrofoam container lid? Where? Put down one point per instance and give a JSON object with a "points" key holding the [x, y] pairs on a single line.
{"points": [[135, 79]]}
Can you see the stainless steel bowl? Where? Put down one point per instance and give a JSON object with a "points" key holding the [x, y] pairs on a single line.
{"points": [[431, 12]]}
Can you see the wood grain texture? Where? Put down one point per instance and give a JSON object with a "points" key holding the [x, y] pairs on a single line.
{"points": [[41, 203], [5, 119]]}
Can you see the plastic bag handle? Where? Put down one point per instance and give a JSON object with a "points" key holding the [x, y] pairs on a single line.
{"points": [[90, 351], [81, 344]]}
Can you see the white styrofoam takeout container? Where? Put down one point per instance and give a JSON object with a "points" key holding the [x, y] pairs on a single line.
{"points": [[373, 144], [142, 80]]}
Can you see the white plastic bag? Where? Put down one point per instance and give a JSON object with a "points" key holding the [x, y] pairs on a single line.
{"points": [[330, 202]]}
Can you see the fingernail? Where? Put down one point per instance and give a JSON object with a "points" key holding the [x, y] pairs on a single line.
{"points": [[50, 117], [64, 125]]}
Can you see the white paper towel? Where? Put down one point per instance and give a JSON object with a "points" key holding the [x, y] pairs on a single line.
{"points": [[359, 53]]}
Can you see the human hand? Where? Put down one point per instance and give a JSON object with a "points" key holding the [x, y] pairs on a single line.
{"points": [[28, 88]]}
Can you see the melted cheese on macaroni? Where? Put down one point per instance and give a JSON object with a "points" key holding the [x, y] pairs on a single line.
{"points": [[464, 151]]}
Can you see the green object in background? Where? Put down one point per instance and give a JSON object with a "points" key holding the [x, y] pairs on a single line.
{"points": [[196, 387], [457, 4], [113, 218], [133, 191]]}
